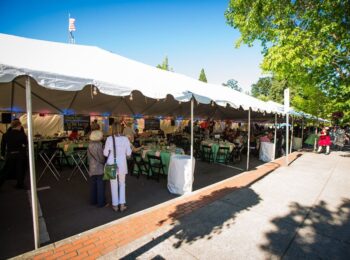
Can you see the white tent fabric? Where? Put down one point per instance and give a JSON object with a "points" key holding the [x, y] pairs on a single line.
{"points": [[47, 125], [71, 68], [274, 106]]}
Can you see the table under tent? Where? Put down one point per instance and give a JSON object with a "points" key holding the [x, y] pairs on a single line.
{"points": [[47, 77]]}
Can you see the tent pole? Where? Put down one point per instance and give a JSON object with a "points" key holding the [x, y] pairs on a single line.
{"points": [[291, 135], [287, 138], [316, 132], [302, 132], [33, 190], [248, 143], [192, 105], [275, 138]]}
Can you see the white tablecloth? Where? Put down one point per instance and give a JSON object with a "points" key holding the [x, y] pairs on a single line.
{"points": [[180, 175], [266, 151], [297, 143]]}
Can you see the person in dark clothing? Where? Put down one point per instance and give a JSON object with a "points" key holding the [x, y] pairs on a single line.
{"points": [[14, 149]]}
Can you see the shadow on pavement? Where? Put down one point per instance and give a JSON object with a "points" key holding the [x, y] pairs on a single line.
{"points": [[324, 234], [204, 223]]}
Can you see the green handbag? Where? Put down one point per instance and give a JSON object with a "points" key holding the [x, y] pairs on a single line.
{"points": [[110, 170]]}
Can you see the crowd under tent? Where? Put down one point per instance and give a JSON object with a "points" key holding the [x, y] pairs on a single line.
{"points": [[56, 78]]}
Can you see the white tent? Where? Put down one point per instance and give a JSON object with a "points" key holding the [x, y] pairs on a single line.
{"points": [[48, 77], [274, 106], [78, 69]]}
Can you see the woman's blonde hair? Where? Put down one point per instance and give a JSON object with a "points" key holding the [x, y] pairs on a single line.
{"points": [[117, 128]]}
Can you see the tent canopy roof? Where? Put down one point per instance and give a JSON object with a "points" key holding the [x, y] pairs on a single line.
{"points": [[64, 76]]}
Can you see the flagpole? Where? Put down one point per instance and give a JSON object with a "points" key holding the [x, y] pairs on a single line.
{"points": [[69, 37], [71, 28]]}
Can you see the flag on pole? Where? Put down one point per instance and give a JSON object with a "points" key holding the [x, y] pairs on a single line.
{"points": [[71, 26]]}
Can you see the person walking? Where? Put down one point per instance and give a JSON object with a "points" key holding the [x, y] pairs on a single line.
{"points": [[340, 138], [324, 141], [123, 149], [14, 148], [96, 165]]}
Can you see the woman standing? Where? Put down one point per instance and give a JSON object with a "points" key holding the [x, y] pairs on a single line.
{"points": [[325, 140], [96, 165], [340, 138], [122, 149]]}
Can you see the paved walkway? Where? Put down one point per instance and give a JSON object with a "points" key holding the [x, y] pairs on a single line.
{"points": [[104, 239], [296, 212]]}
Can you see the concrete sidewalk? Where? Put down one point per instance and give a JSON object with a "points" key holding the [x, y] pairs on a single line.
{"points": [[296, 212]]}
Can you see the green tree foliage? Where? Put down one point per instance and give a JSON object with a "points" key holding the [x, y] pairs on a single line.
{"points": [[232, 83], [305, 42], [261, 89], [202, 76], [269, 88], [165, 65], [311, 99]]}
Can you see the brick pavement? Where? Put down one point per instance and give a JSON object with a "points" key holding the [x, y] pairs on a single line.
{"points": [[104, 239]]}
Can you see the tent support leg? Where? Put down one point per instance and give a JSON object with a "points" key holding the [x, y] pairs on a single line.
{"points": [[302, 132], [291, 135], [275, 138], [33, 190], [248, 143], [287, 138], [316, 132], [192, 105]]}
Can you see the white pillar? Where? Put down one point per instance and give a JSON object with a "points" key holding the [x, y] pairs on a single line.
{"points": [[274, 145], [302, 132], [192, 105], [316, 132], [291, 135], [33, 191], [248, 143], [287, 138]]}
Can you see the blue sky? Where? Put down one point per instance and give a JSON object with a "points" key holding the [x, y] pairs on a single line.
{"points": [[193, 33]]}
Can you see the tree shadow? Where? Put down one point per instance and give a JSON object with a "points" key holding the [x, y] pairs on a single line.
{"points": [[323, 233], [203, 223]]}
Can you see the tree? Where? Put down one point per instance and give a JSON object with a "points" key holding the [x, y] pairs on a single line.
{"points": [[232, 83], [269, 88], [165, 65], [261, 89], [202, 76], [305, 42], [312, 100], [305, 98]]}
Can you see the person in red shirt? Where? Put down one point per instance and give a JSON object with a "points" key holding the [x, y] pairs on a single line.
{"points": [[74, 135], [324, 141]]}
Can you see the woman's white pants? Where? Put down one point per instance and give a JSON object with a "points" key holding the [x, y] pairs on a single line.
{"points": [[118, 190]]}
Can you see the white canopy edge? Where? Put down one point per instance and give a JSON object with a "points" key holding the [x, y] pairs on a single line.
{"points": [[70, 67], [279, 107]]}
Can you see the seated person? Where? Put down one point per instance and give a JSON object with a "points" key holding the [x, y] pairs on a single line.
{"points": [[74, 135], [136, 149], [87, 129], [136, 138], [238, 139], [206, 133], [266, 138], [95, 125], [129, 132], [161, 133], [196, 127]]}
